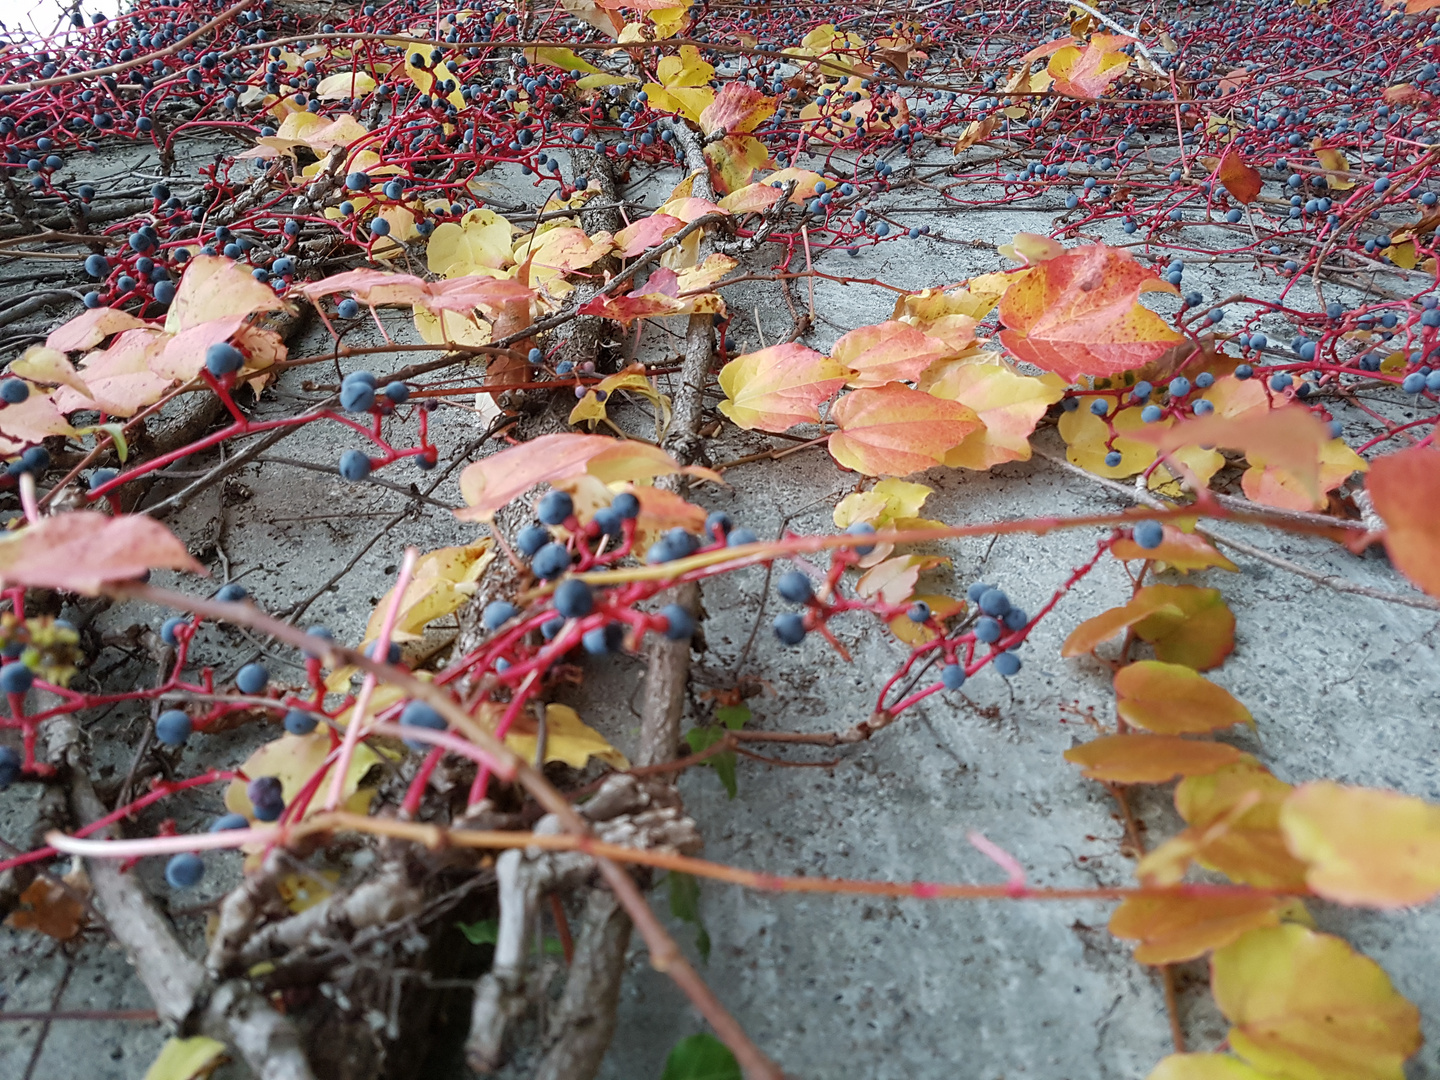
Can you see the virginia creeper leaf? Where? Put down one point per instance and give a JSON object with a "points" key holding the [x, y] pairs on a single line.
{"points": [[1172, 699]]}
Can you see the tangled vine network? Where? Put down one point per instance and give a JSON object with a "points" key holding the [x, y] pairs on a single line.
{"points": [[539, 212]]}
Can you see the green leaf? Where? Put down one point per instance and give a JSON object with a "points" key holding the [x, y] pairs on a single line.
{"points": [[701, 1057], [685, 906], [702, 738], [484, 932], [116, 433], [734, 717]]}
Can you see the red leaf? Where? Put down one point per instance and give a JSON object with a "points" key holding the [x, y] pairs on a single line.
{"points": [[1405, 488]]}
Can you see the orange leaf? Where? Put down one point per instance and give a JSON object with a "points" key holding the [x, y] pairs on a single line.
{"points": [[778, 387], [1178, 550], [737, 108], [1149, 759], [48, 907], [1077, 314], [1240, 179], [491, 482], [889, 352], [1289, 438], [1378, 848], [1172, 699], [1306, 1005], [82, 551], [894, 430], [1172, 929], [1086, 637], [1405, 488]]}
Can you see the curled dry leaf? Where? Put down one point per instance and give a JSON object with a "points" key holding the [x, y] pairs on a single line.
{"points": [[82, 552]]}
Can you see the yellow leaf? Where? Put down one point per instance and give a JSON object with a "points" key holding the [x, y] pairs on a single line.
{"points": [[1172, 699], [882, 504], [346, 84], [778, 387], [591, 407], [480, 238], [443, 581], [293, 760], [1378, 848], [1008, 404], [1149, 759], [1306, 1006], [1086, 436], [941, 608], [1337, 169], [565, 59], [895, 430], [214, 287], [184, 1059], [450, 328], [1172, 929], [568, 739]]}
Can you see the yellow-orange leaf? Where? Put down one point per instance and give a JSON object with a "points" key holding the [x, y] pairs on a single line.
{"points": [[1088, 73], [1378, 848], [1178, 550], [1149, 759], [733, 161], [778, 387], [891, 351], [1186, 625], [1337, 169], [1172, 929], [1009, 405], [737, 108], [1305, 1005], [1078, 314], [1405, 488], [895, 430], [1172, 699]]}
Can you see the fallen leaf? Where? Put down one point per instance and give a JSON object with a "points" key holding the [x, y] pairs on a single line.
{"points": [[186, 1059], [1405, 488], [1148, 759], [295, 759], [1173, 929], [82, 551], [778, 387], [894, 580], [1008, 404], [1186, 624], [1172, 699], [568, 739], [888, 502], [1306, 1005], [1205, 1067], [1240, 179], [1088, 73], [1337, 169], [738, 108], [345, 84], [48, 907], [1078, 314], [592, 406], [214, 287], [442, 583], [1376, 848], [31, 422], [896, 430]]}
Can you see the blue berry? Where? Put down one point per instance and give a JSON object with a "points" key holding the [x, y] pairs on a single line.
{"points": [[173, 727], [1179, 386], [1015, 619], [357, 397], [97, 266], [626, 505], [550, 627], [323, 632], [994, 602], [252, 679], [531, 539], [1281, 380], [609, 522], [231, 594], [420, 715], [1149, 534], [300, 722], [976, 591], [1204, 380], [1244, 371], [379, 227], [267, 797], [1099, 406], [1007, 664], [555, 508], [1414, 383], [9, 767], [226, 822], [357, 181], [168, 628], [988, 630], [603, 639], [184, 871], [550, 561], [392, 654], [164, 293], [717, 526], [355, 465], [795, 587], [497, 613], [15, 678], [14, 391], [366, 377], [397, 392], [790, 628], [348, 308], [679, 623], [574, 599], [919, 612], [1113, 459], [535, 356], [862, 528], [1151, 413], [222, 359], [952, 676], [741, 536]]}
